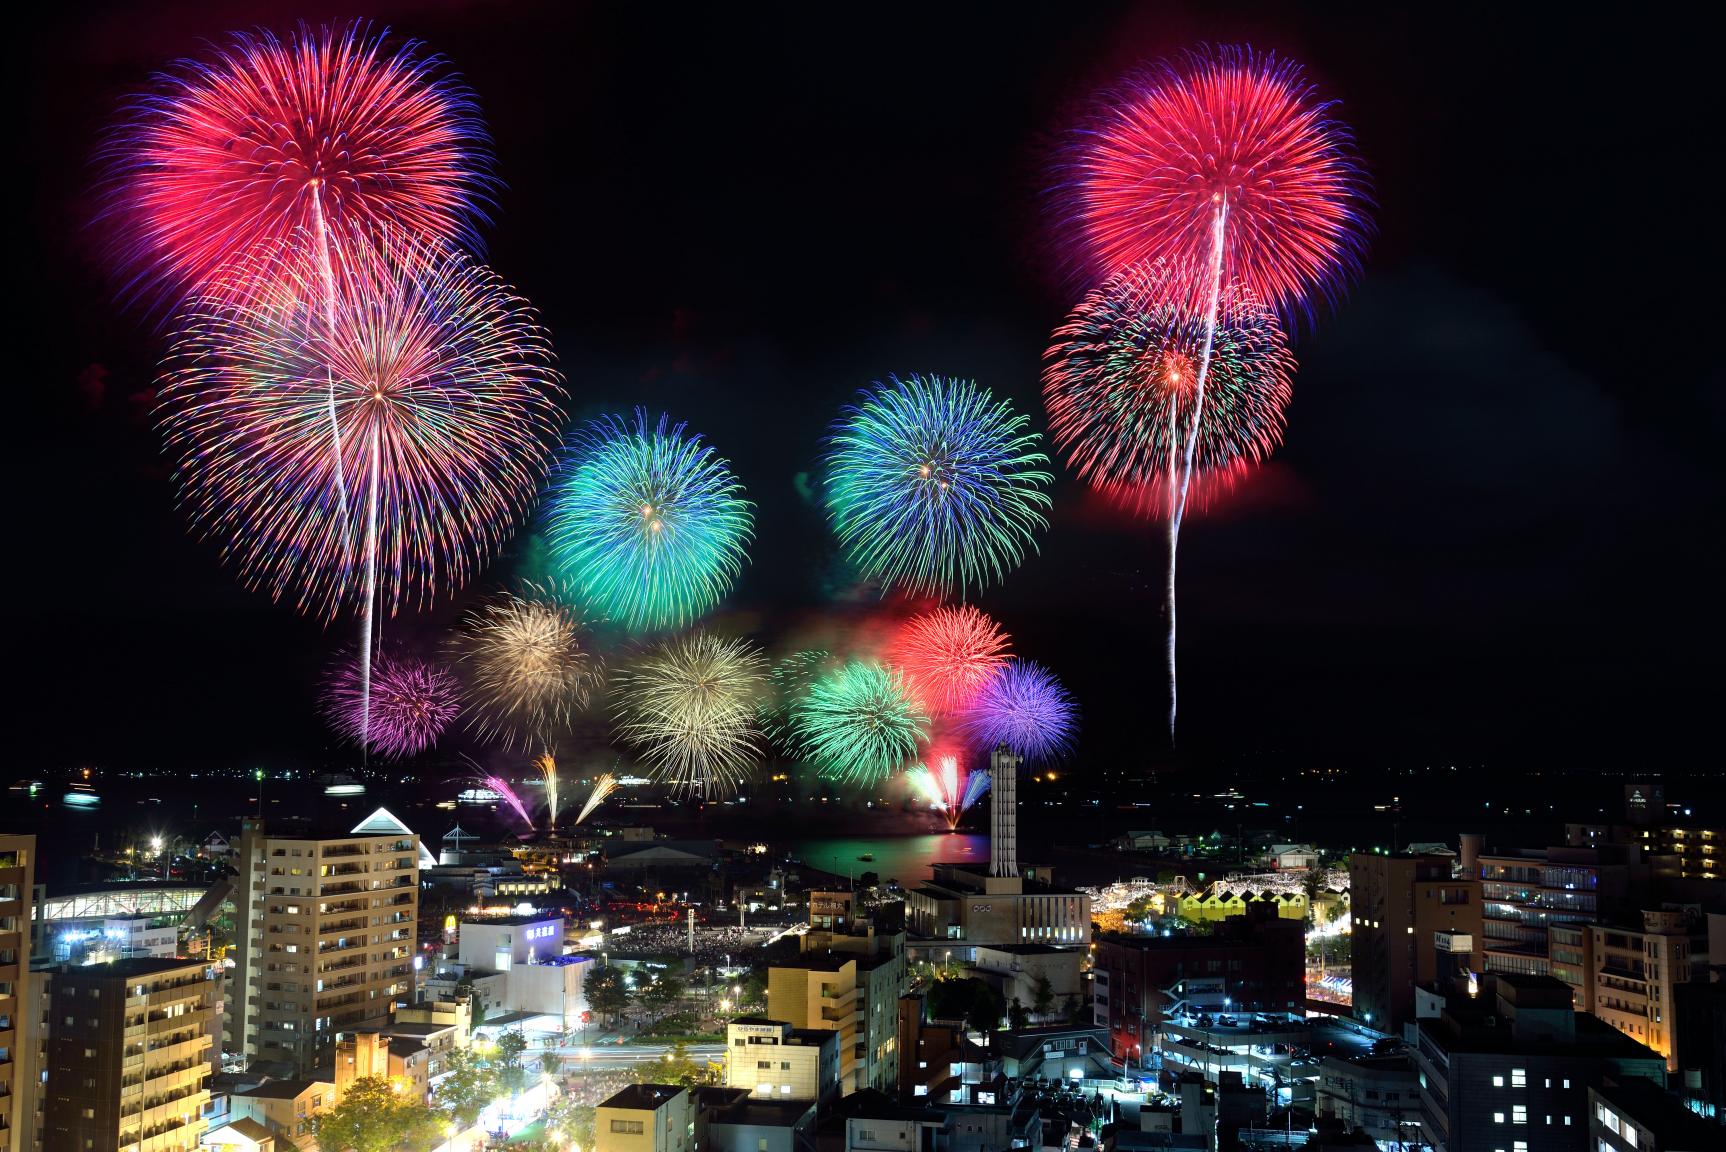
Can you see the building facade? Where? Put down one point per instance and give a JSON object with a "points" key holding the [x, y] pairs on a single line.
{"points": [[129, 1056], [646, 1118], [18, 1010], [771, 1060], [326, 940], [1398, 906]]}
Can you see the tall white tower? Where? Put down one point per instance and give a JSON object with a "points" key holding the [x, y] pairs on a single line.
{"points": [[1004, 813]]}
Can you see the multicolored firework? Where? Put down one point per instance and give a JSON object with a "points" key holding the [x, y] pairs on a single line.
{"points": [[602, 787], [688, 709], [1219, 134], [445, 419], [1024, 708], [412, 702], [787, 683], [327, 133], [646, 523], [1120, 384], [858, 723], [509, 795], [948, 655], [935, 486], [949, 789], [528, 666]]}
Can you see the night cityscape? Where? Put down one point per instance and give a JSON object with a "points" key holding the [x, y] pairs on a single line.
{"points": [[815, 579]]}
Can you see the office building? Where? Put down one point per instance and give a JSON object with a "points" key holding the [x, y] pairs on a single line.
{"points": [[1399, 905], [326, 937], [129, 1056], [1637, 972], [1510, 1067], [18, 1010], [771, 1060]]}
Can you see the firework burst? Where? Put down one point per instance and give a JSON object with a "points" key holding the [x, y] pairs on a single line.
{"points": [[948, 654], [328, 132], [858, 723], [1024, 709], [787, 683], [1218, 133], [646, 523], [528, 666], [412, 702], [444, 418], [935, 486], [1120, 382], [689, 710], [948, 788]]}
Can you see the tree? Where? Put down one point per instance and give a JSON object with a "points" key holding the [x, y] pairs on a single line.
{"points": [[753, 997], [606, 992], [987, 1007], [571, 1121], [1016, 1015], [511, 1075], [660, 995], [376, 1116], [676, 1068], [1042, 996], [468, 1087]]}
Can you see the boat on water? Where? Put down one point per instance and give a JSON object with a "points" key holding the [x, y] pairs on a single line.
{"points": [[867, 857]]}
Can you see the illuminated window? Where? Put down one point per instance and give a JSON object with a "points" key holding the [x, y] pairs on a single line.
{"points": [[1519, 1077], [1498, 1081], [1498, 1117], [1518, 1114]]}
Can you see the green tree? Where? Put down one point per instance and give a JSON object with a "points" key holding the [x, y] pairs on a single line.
{"points": [[753, 997], [607, 994], [1016, 1015], [375, 1116], [511, 1072], [676, 1068], [987, 1007], [659, 996], [470, 1085], [1042, 996], [571, 1121]]}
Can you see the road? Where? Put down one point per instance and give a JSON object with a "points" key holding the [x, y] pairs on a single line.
{"points": [[603, 1057]]}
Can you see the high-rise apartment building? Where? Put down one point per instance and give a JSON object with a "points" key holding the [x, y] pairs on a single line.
{"points": [[326, 942], [1399, 905], [129, 1056], [1636, 974], [849, 982], [17, 1011], [1527, 892]]}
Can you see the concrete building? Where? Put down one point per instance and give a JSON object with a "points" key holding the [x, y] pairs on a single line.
{"points": [[771, 1060], [646, 1118], [1252, 963], [848, 979], [1524, 893], [283, 1108], [754, 1125], [1631, 1115], [1636, 973], [18, 1011], [1020, 970], [129, 1056], [1399, 904], [326, 938], [1687, 852], [1377, 1094], [517, 964], [1510, 1067], [877, 1123]]}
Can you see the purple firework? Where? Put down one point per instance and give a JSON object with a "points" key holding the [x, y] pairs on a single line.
{"points": [[412, 702], [1024, 708]]}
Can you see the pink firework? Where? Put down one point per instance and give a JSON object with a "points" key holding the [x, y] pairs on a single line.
{"points": [[1220, 132], [947, 655], [412, 702], [328, 132]]}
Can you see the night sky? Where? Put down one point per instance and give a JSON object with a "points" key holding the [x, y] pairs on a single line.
{"points": [[1487, 538]]}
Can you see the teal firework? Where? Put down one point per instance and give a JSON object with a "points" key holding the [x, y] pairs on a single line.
{"points": [[935, 486], [647, 524], [858, 723]]}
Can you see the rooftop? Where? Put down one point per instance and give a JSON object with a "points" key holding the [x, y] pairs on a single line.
{"points": [[643, 1097], [281, 1089], [511, 921], [131, 967]]}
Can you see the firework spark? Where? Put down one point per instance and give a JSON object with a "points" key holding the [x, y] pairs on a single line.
{"points": [[602, 788], [501, 787], [689, 710], [646, 523], [528, 665], [948, 654], [787, 683], [546, 765], [1023, 708], [948, 788], [1120, 381], [412, 702], [933, 485], [332, 132], [858, 723]]}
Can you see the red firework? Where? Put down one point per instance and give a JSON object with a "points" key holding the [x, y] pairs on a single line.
{"points": [[947, 655], [1147, 178], [325, 131]]}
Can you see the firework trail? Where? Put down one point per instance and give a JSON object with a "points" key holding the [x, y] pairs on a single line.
{"points": [[646, 523], [858, 723], [1120, 378], [689, 710], [933, 485], [330, 133], [787, 683], [444, 383], [1024, 709], [412, 701], [528, 665], [602, 788], [510, 797], [1226, 167], [948, 788], [947, 655], [546, 765]]}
